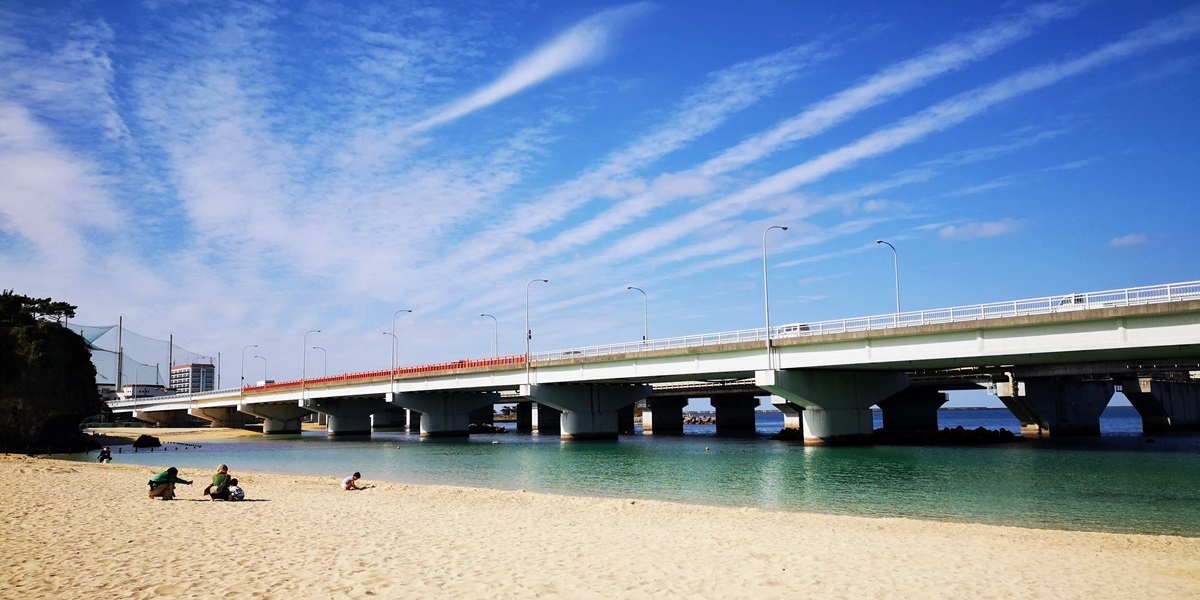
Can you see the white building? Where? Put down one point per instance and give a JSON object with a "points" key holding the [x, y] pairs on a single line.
{"points": [[196, 377]]}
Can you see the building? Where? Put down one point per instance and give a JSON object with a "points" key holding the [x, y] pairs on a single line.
{"points": [[196, 377]]}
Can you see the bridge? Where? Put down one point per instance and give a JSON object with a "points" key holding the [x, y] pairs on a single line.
{"points": [[1055, 362]]}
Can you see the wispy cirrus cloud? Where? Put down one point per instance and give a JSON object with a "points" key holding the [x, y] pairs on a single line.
{"points": [[978, 229], [584, 43], [944, 115]]}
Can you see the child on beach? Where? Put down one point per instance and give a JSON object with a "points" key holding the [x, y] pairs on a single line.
{"points": [[351, 482], [236, 493], [105, 455]]}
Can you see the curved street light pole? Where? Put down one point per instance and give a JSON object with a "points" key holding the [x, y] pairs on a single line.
{"points": [[325, 359], [395, 342], [496, 337], [244, 362], [304, 361], [392, 372], [264, 359], [528, 331], [766, 294], [645, 312], [896, 263]]}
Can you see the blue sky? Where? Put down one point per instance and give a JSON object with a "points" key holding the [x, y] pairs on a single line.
{"points": [[238, 174]]}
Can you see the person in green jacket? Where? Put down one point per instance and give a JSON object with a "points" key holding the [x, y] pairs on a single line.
{"points": [[219, 490], [163, 484]]}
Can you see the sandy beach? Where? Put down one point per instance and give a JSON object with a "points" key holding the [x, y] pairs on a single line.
{"points": [[87, 530]]}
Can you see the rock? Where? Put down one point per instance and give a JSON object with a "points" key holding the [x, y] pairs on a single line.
{"points": [[146, 441]]}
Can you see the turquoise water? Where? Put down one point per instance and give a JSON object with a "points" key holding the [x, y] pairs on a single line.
{"points": [[1120, 482]]}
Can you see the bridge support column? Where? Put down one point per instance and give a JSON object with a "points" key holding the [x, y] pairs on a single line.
{"points": [[219, 416], [735, 414], [589, 411], [793, 414], [547, 420], [1164, 405], [389, 419], [663, 416], [446, 414], [837, 404], [625, 420], [165, 418], [1057, 405], [277, 418], [347, 416], [412, 421], [912, 409], [524, 417]]}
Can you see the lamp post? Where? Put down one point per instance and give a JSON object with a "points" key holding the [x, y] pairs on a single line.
{"points": [[496, 337], [325, 359], [391, 365], [244, 363], [136, 368], [896, 263], [528, 331], [264, 359], [395, 340], [304, 361], [645, 312], [766, 294]]}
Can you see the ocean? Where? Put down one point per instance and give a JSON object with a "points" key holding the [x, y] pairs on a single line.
{"points": [[1121, 481]]}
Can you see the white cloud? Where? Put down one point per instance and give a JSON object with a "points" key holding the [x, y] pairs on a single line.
{"points": [[978, 229], [1126, 241]]}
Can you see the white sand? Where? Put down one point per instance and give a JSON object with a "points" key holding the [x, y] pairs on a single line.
{"points": [[86, 530]]}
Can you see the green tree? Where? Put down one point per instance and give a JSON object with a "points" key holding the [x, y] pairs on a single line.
{"points": [[47, 379]]}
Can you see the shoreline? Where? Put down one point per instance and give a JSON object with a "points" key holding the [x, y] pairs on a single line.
{"points": [[87, 529]]}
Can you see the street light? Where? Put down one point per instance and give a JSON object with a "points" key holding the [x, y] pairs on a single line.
{"points": [[325, 361], [304, 361], [528, 331], [766, 295], [395, 340], [497, 336], [244, 362], [392, 365], [896, 263], [264, 359], [645, 312]]}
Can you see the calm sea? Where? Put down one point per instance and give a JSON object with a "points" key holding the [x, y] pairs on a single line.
{"points": [[1120, 482]]}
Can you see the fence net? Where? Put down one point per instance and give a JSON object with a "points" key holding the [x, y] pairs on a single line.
{"points": [[145, 360]]}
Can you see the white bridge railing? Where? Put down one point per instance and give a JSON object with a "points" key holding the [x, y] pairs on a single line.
{"points": [[1174, 292], [171, 398]]}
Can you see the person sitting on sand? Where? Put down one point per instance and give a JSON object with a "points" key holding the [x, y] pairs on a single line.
{"points": [[105, 455], [350, 483], [219, 490], [163, 484], [236, 493]]}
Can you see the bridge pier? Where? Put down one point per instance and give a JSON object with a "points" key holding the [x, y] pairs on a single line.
{"points": [[412, 421], [912, 409], [165, 418], [347, 416], [735, 414], [544, 420], [277, 418], [1061, 406], [389, 419], [663, 416], [1164, 405], [837, 404], [446, 414], [589, 411]]}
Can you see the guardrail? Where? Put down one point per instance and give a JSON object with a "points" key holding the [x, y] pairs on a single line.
{"points": [[1174, 292]]}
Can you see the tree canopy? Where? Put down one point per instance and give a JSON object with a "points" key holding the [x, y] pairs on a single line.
{"points": [[47, 379]]}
